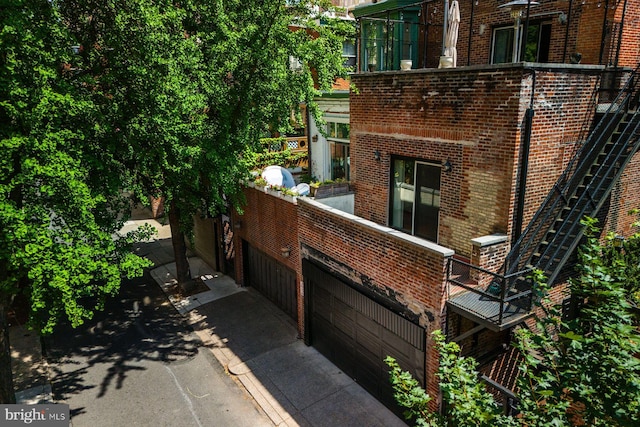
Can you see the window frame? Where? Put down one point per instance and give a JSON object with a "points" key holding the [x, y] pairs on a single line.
{"points": [[332, 141], [390, 219], [542, 27]]}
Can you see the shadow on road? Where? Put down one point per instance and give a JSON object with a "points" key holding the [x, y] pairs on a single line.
{"points": [[137, 325]]}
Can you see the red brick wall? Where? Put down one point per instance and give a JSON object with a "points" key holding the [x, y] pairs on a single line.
{"points": [[489, 16], [490, 258], [409, 274], [625, 198], [588, 20], [467, 116], [564, 106], [474, 118], [584, 35], [269, 223], [630, 48]]}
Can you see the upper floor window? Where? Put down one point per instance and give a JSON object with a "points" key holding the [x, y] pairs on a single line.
{"points": [[349, 53], [536, 48], [388, 39]]}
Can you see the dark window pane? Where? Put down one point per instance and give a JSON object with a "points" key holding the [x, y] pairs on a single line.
{"points": [[427, 201], [402, 195], [342, 130], [339, 160], [502, 46]]}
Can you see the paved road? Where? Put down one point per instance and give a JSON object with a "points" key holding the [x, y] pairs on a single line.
{"points": [[136, 364]]}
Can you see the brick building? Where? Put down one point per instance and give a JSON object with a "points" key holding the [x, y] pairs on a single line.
{"points": [[462, 179]]}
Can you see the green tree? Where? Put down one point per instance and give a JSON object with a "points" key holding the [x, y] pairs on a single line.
{"points": [[467, 401], [186, 89], [587, 369], [57, 220], [580, 371]]}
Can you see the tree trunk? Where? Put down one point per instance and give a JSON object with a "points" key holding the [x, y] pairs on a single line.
{"points": [[183, 275], [7, 394]]}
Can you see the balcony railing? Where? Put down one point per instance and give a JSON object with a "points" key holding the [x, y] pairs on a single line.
{"points": [[494, 300], [294, 149]]}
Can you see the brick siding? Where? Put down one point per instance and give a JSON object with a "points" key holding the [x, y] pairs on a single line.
{"points": [[269, 223], [581, 33], [474, 118], [397, 270]]}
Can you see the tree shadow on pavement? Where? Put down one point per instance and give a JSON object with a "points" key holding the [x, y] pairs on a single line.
{"points": [[137, 326]]}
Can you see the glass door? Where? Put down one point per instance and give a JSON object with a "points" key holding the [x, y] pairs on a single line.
{"points": [[427, 201]]}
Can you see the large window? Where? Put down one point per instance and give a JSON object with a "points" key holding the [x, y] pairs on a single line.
{"points": [[338, 138], [415, 197], [389, 38], [536, 48]]}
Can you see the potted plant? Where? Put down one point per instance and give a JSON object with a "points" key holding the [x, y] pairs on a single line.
{"points": [[329, 188]]}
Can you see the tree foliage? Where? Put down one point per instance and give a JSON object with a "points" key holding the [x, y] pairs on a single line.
{"points": [[185, 89], [587, 369], [59, 197], [57, 227], [468, 402], [576, 371]]}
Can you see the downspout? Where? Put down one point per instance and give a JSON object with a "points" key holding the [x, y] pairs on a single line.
{"points": [[566, 32], [525, 34], [524, 167], [425, 26], [604, 31], [473, 2], [624, 11]]}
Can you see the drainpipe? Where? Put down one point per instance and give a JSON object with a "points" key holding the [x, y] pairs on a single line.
{"points": [[566, 32], [359, 53], [424, 12], [524, 167], [473, 2], [624, 11], [604, 31], [525, 34]]}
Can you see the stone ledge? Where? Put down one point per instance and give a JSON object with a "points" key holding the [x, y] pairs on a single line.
{"points": [[492, 239]]}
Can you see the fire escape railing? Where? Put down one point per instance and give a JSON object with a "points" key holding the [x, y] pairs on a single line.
{"points": [[580, 186], [555, 231]]}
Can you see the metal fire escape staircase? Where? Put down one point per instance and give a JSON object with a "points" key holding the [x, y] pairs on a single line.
{"points": [[501, 300]]}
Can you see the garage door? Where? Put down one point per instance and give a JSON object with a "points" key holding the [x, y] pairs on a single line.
{"points": [[271, 279], [357, 333]]}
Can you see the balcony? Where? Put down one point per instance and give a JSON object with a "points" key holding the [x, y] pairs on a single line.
{"points": [[489, 299], [295, 146]]}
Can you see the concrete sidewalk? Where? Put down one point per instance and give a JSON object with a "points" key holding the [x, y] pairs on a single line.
{"points": [[256, 342], [30, 370]]}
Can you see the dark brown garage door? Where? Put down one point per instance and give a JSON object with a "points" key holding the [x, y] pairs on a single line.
{"points": [[271, 279], [356, 333]]}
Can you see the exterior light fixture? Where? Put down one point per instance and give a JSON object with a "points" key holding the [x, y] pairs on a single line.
{"points": [[376, 155], [562, 18], [447, 166], [618, 241], [285, 251]]}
